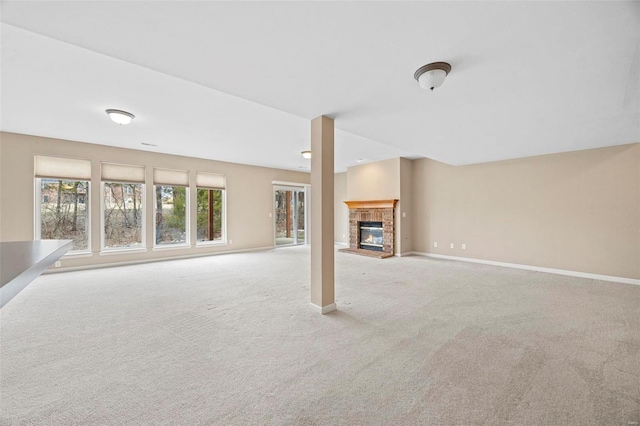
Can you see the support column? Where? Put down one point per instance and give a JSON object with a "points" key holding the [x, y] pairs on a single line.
{"points": [[322, 249]]}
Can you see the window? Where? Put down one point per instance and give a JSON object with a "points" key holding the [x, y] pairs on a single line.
{"points": [[62, 201], [210, 207], [122, 207], [171, 212], [210, 202]]}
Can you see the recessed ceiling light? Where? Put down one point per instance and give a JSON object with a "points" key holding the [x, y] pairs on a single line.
{"points": [[303, 167], [432, 75], [306, 154], [359, 160], [148, 144], [120, 117]]}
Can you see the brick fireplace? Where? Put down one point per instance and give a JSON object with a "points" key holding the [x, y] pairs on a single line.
{"points": [[365, 220]]}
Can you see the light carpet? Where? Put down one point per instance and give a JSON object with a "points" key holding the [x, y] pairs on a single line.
{"points": [[232, 339]]}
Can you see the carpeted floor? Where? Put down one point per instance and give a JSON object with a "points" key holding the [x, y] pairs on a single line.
{"points": [[232, 340]]}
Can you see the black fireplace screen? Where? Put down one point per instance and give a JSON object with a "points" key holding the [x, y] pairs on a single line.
{"points": [[371, 236]]}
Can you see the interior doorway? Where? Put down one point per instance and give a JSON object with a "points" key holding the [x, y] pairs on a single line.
{"points": [[290, 215]]}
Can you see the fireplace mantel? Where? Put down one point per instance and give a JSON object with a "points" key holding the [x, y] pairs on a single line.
{"points": [[372, 204]]}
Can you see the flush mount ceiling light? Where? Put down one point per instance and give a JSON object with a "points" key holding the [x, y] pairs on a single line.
{"points": [[120, 117], [306, 154], [432, 75]]}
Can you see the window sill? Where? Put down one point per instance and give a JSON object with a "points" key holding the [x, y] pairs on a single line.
{"points": [[108, 252], [172, 247], [204, 244], [78, 254]]}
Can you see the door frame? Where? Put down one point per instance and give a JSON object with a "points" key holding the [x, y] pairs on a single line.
{"points": [[291, 186]]}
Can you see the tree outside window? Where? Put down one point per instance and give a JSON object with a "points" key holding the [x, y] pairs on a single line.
{"points": [[171, 215], [64, 211], [209, 212], [123, 211]]}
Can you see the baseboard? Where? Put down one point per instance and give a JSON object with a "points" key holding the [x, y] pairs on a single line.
{"points": [[324, 309], [405, 254], [141, 261], [533, 268]]}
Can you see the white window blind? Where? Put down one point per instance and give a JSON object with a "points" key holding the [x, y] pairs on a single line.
{"points": [[112, 172], [59, 167], [210, 180], [170, 177]]}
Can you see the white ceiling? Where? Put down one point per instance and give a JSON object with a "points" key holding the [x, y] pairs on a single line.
{"points": [[240, 81]]}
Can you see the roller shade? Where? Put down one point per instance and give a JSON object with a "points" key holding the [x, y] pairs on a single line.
{"points": [[210, 180], [122, 173], [59, 167], [170, 177]]}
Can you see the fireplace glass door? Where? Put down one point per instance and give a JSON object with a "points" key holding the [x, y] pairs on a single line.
{"points": [[371, 237], [289, 216]]}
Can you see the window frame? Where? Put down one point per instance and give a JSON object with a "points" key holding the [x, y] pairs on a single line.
{"points": [[37, 229], [187, 221], [223, 220], [143, 225]]}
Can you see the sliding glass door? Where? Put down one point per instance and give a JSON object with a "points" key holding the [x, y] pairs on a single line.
{"points": [[290, 216]]}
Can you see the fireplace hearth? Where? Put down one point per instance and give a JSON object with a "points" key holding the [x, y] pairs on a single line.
{"points": [[371, 228]]}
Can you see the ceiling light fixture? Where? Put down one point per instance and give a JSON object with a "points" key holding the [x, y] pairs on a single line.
{"points": [[306, 154], [432, 75], [120, 117]]}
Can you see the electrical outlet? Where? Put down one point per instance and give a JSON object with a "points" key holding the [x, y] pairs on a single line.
{"points": [[464, 246], [404, 214], [270, 214], [230, 241], [451, 245], [58, 264], [435, 244], [344, 236]]}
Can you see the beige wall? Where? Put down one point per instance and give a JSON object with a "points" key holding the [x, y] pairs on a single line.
{"points": [[374, 181], [577, 211], [1, 192], [386, 180], [341, 212], [249, 195]]}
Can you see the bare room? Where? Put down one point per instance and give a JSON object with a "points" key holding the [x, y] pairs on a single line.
{"points": [[320, 213]]}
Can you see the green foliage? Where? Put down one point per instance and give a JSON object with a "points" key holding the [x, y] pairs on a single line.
{"points": [[202, 207], [176, 217], [171, 219]]}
